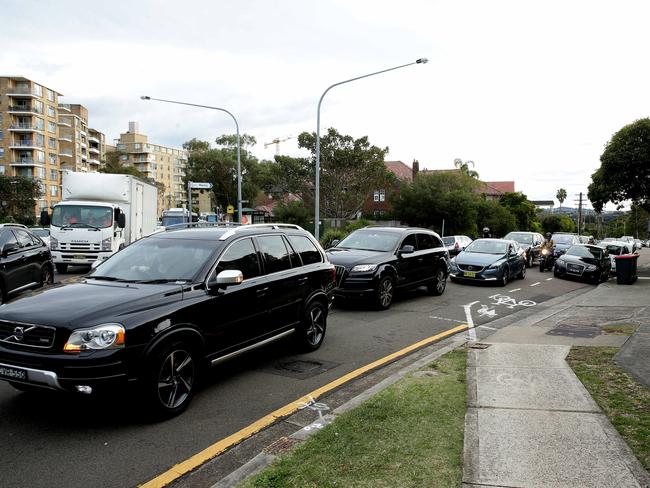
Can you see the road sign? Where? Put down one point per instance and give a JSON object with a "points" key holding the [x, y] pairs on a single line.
{"points": [[203, 186], [230, 209]]}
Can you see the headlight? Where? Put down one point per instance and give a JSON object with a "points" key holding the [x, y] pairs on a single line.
{"points": [[54, 243], [107, 244], [591, 267], [106, 336], [364, 268], [496, 265], [544, 252]]}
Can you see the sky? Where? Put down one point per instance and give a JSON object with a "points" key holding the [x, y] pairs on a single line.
{"points": [[528, 91]]}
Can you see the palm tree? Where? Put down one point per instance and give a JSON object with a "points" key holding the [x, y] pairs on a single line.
{"points": [[561, 196], [464, 167]]}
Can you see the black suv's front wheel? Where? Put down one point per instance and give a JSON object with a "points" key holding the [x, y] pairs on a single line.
{"points": [[439, 283], [385, 292], [170, 380]]}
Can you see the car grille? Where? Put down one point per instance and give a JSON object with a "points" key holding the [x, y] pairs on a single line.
{"points": [[575, 269], [78, 246], [27, 335], [340, 274], [470, 267]]}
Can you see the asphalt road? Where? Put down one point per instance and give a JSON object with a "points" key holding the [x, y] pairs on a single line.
{"points": [[60, 440]]}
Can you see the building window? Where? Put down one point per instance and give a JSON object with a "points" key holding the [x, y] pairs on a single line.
{"points": [[40, 172], [137, 146], [51, 142], [1, 135], [50, 95], [42, 205], [2, 152], [121, 147], [54, 175], [38, 106], [50, 111], [382, 195], [40, 157], [38, 90], [51, 127], [52, 158], [40, 140], [54, 190], [124, 157], [39, 123], [2, 170]]}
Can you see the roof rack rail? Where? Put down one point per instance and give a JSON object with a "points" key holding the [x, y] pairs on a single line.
{"points": [[270, 225], [189, 225]]}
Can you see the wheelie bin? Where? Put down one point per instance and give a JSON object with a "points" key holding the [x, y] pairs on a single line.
{"points": [[626, 268]]}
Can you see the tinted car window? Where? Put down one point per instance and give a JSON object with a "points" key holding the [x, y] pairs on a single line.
{"points": [[306, 249], [275, 253], [242, 256], [370, 241], [449, 241], [585, 252], [6, 237], [426, 241], [24, 239], [409, 240]]}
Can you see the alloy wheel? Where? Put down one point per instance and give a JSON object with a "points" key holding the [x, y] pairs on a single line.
{"points": [[176, 378], [316, 326], [385, 292], [441, 282], [46, 276]]}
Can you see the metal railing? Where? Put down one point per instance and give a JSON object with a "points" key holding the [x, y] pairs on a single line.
{"points": [[25, 108], [24, 126]]}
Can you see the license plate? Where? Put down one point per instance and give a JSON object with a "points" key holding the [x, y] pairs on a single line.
{"points": [[78, 256], [13, 373], [469, 274]]}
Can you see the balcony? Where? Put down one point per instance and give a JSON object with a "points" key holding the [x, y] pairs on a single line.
{"points": [[94, 161], [22, 92], [84, 157], [24, 109], [64, 123], [63, 137], [24, 127], [94, 139], [65, 154], [144, 148], [65, 107], [23, 162], [25, 144], [93, 150], [83, 144]]}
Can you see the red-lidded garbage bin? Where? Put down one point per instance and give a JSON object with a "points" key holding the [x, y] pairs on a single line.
{"points": [[626, 268]]}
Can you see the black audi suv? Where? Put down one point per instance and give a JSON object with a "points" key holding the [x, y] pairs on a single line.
{"points": [[584, 261], [375, 262], [153, 314]]}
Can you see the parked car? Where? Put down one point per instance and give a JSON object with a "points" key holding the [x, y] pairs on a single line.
{"points": [[491, 260], [455, 244], [530, 242], [638, 244], [587, 239], [584, 261], [153, 314], [43, 233], [629, 239], [375, 262], [563, 242], [616, 248], [25, 261]]}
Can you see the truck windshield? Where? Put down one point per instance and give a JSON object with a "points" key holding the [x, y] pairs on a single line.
{"points": [[82, 216], [173, 219]]}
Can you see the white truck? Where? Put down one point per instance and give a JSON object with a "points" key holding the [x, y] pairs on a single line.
{"points": [[98, 215]]}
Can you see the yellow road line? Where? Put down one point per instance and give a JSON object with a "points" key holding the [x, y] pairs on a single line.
{"points": [[217, 448]]}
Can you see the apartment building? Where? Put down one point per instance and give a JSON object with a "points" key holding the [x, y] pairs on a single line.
{"points": [[29, 135], [81, 149], [164, 165]]}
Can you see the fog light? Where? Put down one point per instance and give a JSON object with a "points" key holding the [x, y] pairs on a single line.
{"points": [[85, 389]]}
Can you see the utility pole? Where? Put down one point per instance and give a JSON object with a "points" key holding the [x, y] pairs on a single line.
{"points": [[580, 214]]}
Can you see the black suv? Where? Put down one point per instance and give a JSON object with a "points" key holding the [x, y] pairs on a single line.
{"points": [[374, 262], [154, 313], [25, 261]]}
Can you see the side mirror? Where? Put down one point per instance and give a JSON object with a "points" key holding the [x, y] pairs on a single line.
{"points": [[226, 278], [7, 248], [335, 243], [121, 221], [407, 249], [45, 218]]}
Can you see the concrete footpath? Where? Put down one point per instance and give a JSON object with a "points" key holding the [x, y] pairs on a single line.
{"points": [[530, 422]]}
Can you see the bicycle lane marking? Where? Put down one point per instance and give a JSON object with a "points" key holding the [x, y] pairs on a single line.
{"points": [[220, 446]]}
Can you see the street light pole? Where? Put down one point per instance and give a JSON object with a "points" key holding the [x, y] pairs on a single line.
{"points": [[239, 209], [317, 179]]}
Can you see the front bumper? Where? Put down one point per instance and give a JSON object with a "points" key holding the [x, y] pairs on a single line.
{"points": [[484, 275], [84, 258]]}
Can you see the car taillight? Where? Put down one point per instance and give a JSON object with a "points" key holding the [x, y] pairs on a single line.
{"points": [[334, 275], [456, 246]]}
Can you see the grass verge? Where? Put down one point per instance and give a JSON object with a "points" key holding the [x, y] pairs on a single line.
{"points": [[625, 402], [410, 434]]}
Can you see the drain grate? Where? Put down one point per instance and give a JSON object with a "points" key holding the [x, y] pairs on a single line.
{"points": [[567, 330], [281, 445], [300, 368], [479, 345]]}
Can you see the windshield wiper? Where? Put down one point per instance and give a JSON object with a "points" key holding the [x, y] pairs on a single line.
{"points": [[161, 280], [70, 226], [104, 278]]}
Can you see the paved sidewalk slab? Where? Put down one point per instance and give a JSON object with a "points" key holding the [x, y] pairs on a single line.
{"points": [[532, 448], [634, 356]]}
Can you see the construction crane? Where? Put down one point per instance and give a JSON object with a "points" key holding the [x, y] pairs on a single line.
{"points": [[277, 142]]}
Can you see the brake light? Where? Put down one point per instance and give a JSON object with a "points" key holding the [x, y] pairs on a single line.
{"points": [[334, 275], [456, 246]]}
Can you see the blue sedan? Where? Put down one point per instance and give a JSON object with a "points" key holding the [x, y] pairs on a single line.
{"points": [[496, 260]]}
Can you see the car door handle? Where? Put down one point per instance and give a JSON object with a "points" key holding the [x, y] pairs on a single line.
{"points": [[262, 291], [303, 280], [23, 258]]}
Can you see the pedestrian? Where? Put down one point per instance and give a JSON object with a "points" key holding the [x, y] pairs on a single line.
{"points": [[486, 233]]}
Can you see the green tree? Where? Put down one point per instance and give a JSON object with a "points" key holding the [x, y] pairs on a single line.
{"points": [[112, 164], [624, 172], [463, 166], [294, 213], [558, 223], [286, 174], [219, 167], [350, 170], [561, 196], [523, 209], [17, 195]]}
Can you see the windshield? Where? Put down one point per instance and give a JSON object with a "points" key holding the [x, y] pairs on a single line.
{"points": [[585, 252], [370, 241], [563, 239], [615, 250], [41, 232], [520, 237], [448, 241], [487, 247], [82, 216], [155, 259], [173, 219]]}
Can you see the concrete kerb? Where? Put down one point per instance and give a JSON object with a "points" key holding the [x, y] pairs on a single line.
{"points": [[263, 459]]}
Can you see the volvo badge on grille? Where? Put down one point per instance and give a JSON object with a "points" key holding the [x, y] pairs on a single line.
{"points": [[19, 333]]}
